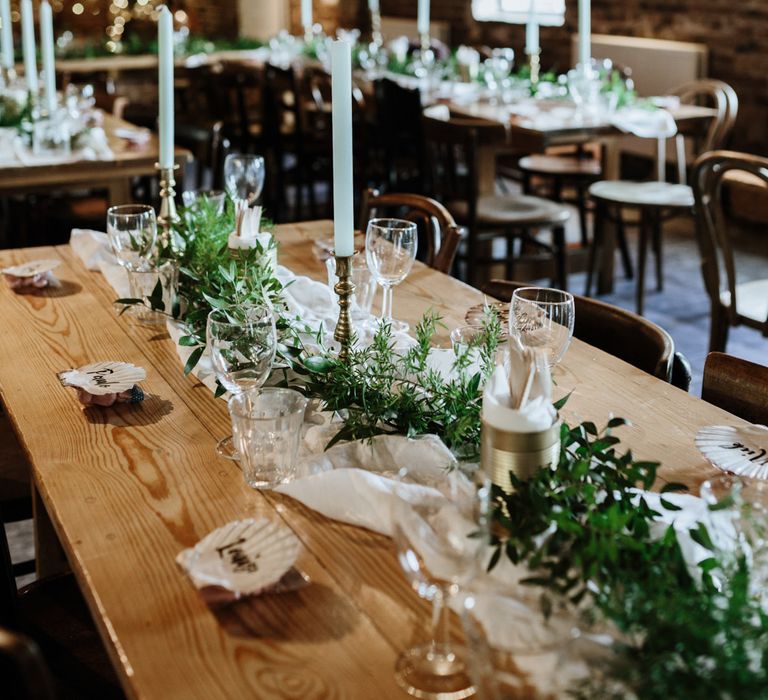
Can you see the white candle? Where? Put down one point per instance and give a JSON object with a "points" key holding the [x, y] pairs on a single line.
{"points": [[165, 86], [585, 31], [422, 21], [46, 46], [373, 6], [28, 45], [306, 14], [6, 39], [343, 185], [532, 37]]}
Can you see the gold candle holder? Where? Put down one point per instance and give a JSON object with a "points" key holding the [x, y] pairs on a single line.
{"points": [[7, 76], [309, 34], [376, 35], [344, 288], [522, 454], [426, 44], [168, 215], [534, 60]]}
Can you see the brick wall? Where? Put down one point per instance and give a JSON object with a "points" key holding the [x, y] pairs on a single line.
{"points": [[735, 32]]}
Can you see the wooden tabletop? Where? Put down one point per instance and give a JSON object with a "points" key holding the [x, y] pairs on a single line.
{"points": [[127, 488], [130, 160]]}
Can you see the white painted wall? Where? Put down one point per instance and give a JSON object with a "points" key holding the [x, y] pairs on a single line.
{"points": [[261, 19]]}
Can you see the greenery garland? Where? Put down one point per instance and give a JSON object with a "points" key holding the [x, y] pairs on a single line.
{"points": [[581, 527]]}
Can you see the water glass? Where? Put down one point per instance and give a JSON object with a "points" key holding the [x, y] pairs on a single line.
{"points": [[143, 284], [192, 199], [542, 319], [390, 250], [365, 286], [132, 230], [266, 428], [242, 342], [51, 137]]}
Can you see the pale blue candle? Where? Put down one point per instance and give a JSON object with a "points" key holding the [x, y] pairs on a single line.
{"points": [[422, 21], [306, 14], [46, 47], [343, 185], [165, 86], [6, 39], [532, 37], [373, 6], [28, 45], [585, 31]]}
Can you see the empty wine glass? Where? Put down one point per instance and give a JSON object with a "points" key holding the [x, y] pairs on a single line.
{"points": [[436, 517], [242, 342], [244, 181], [542, 318], [390, 249], [132, 230], [497, 71]]}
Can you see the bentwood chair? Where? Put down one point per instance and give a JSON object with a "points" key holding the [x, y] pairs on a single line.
{"points": [[618, 332], [654, 202], [732, 303], [23, 670], [454, 170], [439, 234], [737, 386]]}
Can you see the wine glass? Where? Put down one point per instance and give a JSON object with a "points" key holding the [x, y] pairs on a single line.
{"points": [[436, 517], [244, 181], [132, 230], [498, 68], [390, 249], [242, 342], [542, 318]]}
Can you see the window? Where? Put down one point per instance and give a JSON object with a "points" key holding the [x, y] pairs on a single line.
{"points": [[550, 13]]}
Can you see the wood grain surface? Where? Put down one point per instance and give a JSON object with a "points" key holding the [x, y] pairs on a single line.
{"points": [[127, 488]]}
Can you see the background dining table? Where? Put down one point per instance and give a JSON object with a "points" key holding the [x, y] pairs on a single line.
{"points": [[125, 489]]}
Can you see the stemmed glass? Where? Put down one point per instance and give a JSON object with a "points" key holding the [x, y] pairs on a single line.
{"points": [[390, 249], [498, 68], [132, 230], [436, 516], [542, 318], [244, 181], [242, 342]]}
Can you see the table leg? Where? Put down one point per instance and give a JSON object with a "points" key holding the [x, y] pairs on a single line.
{"points": [[49, 555]]}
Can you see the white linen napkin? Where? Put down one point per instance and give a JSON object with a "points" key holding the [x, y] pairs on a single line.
{"points": [[645, 123]]}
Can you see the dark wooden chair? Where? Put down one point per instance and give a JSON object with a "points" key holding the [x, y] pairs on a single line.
{"points": [[23, 670], [732, 303], [440, 236], [616, 331], [52, 612], [207, 145], [737, 386], [454, 171], [654, 202]]}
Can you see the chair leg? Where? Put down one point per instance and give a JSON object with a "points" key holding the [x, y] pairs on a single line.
{"points": [[581, 203], [642, 255], [621, 237], [596, 249], [657, 245], [561, 262], [718, 329]]}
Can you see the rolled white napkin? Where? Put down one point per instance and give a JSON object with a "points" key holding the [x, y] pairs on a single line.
{"points": [[645, 123], [533, 416]]}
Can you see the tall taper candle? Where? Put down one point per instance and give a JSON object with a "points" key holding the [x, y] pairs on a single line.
{"points": [[49, 64], [532, 37], [6, 39], [422, 21], [306, 14], [343, 185], [165, 85], [373, 5], [28, 45], [585, 31]]}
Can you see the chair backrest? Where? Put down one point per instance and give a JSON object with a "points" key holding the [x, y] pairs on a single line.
{"points": [[206, 144], [453, 169], [713, 231], [23, 671], [737, 386], [723, 98], [235, 97], [618, 332], [438, 228], [282, 103]]}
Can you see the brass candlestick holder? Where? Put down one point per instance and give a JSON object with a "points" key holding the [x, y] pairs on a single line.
{"points": [[167, 216], [309, 34], [534, 60], [7, 76], [376, 35], [426, 43], [344, 288]]}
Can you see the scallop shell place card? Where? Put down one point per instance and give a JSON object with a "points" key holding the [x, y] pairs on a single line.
{"points": [[738, 450], [31, 275], [105, 383], [245, 557]]}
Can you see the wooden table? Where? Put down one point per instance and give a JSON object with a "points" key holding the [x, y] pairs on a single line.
{"points": [[127, 488], [113, 175]]}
